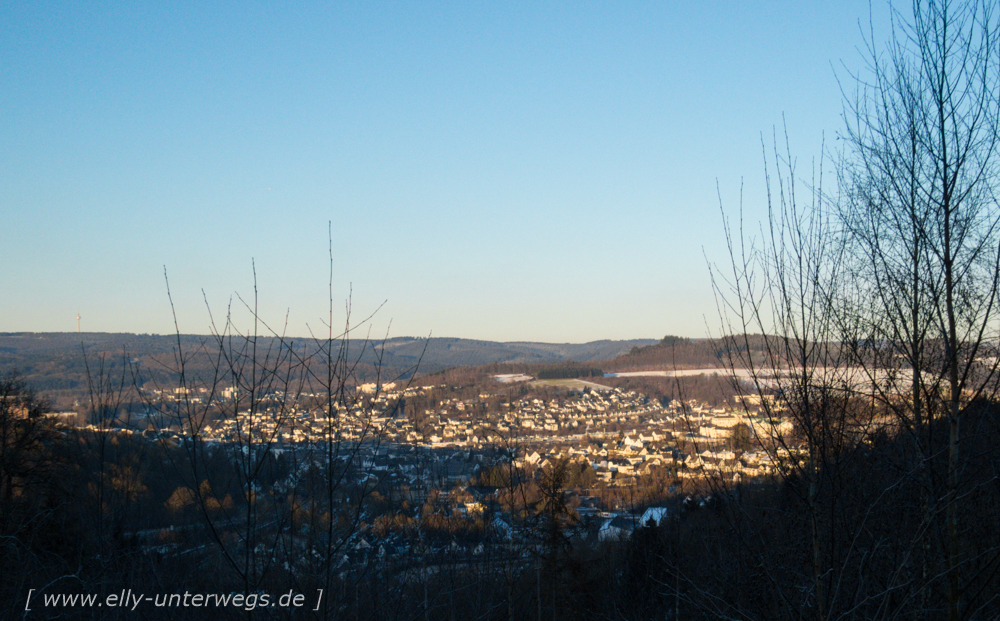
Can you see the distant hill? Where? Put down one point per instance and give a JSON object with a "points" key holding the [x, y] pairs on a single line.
{"points": [[452, 352], [677, 352], [54, 362], [669, 353]]}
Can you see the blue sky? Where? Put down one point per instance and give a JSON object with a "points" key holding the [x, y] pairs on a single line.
{"points": [[503, 171]]}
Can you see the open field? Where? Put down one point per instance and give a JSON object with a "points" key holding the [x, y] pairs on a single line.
{"points": [[571, 384]]}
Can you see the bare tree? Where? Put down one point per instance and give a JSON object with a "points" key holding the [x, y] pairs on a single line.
{"points": [[275, 445], [877, 315], [923, 133], [778, 307]]}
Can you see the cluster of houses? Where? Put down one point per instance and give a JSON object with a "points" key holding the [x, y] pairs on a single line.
{"points": [[617, 437], [622, 435]]}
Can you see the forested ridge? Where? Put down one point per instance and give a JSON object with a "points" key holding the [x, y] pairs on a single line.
{"points": [[54, 362]]}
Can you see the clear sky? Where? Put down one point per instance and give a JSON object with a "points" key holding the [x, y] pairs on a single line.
{"points": [[496, 170]]}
